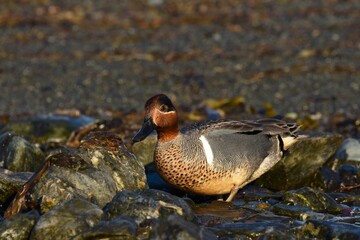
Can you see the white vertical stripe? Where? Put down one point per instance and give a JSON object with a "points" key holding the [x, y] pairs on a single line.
{"points": [[207, 149]]}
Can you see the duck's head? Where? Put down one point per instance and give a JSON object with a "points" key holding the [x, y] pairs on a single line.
{"points": [[160, 115]]}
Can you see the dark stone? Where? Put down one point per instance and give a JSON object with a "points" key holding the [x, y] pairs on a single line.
{"points": [[96, 171], [67, 220], [147, 204], [301, 162], [344, 198], [290, 211], [10, 183], [329, 230], [118, 228], [18, 155], [19, 226], [327, 179], [253, 229], [176, 227], [261, 195], [349, 175], [254, 224], [316, 200], [219, 212]]}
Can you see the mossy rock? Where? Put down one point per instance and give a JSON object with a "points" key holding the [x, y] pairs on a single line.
{"points": [[301, 162]]}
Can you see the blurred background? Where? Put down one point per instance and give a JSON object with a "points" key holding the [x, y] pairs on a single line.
{"points": [[293, 58]]}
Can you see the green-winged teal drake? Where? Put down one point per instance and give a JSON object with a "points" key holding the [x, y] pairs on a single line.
{"points": [[216, 157]]}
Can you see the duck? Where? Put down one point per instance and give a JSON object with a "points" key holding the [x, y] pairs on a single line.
{"points": [[213, 157]]}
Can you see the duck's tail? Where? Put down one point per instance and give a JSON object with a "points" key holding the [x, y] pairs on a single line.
{"points": [[294, 135]]}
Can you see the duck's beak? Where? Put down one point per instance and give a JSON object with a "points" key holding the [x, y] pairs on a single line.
{"points": [[146, 129]]}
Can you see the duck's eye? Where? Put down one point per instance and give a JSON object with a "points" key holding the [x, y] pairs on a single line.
{"points": [[164, 108]]}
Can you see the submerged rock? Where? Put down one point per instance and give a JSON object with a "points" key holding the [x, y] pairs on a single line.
{"points": [[19, 155], [67, 220], [47, 128], [301, 162], [19, 226], [96, 171], [147, 204]]}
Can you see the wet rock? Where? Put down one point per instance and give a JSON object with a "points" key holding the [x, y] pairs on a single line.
{"points": [[301, 162], [147, 204], [314, 199], [289, 210], [19, 226], [257, 205], [10, 183], [329, 230], [347, 199], [176, 227], [96, 171], [237, 222], [18, 155], [276, 230], [349, 175], [254, 193], [349, 150], [266, 216], [299, 212], [47, 128], [67, 220], [118, 228], [144, 150], [326, 179], [218, 212], [311, 215]]}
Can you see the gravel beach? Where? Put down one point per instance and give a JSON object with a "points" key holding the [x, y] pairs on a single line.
{"points": [[301, 56]]}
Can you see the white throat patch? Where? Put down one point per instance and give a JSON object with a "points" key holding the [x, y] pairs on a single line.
{"points": [[207, 149]]}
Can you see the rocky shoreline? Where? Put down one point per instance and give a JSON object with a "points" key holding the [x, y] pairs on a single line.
{"points": [[101, 187], [74, 74]]}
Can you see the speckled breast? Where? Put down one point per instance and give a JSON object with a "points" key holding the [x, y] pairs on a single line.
{"points": [[192, 175]]}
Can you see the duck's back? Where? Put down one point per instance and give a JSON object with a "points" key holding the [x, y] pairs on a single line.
{"points": [[226, 145]]}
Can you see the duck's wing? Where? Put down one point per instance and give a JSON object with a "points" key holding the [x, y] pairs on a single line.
{"points": [[226, 125], [274, 126], [230, 144], [268, 126]]}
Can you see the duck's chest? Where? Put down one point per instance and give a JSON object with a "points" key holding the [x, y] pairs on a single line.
{"points": [[188, 172]]}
